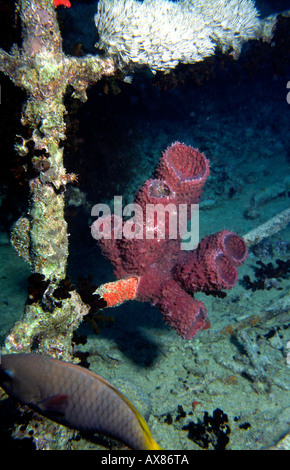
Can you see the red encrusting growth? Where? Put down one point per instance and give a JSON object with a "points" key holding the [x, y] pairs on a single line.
{"points": [[65, 3], [163, 274]]}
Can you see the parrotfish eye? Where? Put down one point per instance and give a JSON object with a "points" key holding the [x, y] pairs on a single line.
{"points": [[159, 189]]}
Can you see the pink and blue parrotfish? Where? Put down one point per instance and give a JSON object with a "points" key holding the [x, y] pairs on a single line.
{"points": [[75, 397]]}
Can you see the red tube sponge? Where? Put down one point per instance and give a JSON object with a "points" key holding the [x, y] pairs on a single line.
{"points": [[162, 273], [212, 266]]}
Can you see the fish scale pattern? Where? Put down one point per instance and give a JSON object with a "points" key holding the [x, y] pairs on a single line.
{"points": [[76, 397], [93, 405]]}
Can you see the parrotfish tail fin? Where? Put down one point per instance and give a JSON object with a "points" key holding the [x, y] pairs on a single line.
{"points": [[149, 443]]}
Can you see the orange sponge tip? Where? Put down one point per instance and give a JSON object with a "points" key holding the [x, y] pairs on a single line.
{"points": [[115, 293]]}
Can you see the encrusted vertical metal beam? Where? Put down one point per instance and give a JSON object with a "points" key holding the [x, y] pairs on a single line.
{"points": [[41, 68]]}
